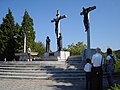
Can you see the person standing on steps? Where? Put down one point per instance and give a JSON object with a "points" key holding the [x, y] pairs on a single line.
{"points": [[110, 66], [87, 69], [29, 54], [97, 71]]}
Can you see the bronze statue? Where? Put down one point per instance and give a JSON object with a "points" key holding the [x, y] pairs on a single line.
{"points": [[56, 20], [86, 18], [59, 42], [57, 29], [47, 44]]}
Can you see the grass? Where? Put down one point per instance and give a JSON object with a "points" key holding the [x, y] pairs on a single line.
{"points": [[117, 66]]}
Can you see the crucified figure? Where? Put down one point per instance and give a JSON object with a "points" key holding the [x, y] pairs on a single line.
{"points": [[85, 12], [57, 22], [57, 29]]}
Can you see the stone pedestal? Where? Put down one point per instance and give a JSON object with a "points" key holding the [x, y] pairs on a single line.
{"points": [[58, 55], [85, 54]]}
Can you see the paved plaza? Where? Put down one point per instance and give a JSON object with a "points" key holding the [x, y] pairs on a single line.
{"points": [[13, 84], [25, 84]]}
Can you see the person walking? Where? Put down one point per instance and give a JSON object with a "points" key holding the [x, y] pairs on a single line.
{"points": [[29, 54], [97, 72], [87, 69], [110, 61]]}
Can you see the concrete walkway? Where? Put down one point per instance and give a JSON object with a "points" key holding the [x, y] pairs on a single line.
{"points": [[25, 84], [15, 84]]}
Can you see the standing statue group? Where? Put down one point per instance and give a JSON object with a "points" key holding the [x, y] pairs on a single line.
{"points": [[47, 44], [57, 27], [57, 32]]}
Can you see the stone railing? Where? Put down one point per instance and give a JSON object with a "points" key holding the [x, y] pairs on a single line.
{"points": [[24, 56]]}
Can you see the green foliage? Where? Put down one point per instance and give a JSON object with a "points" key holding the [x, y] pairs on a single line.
{"points": [[11, 36], [116, 87], [117, 54], [7, 40], [76, 49], [27, 27], [117, 65], [39, 47], [18, 39], [1, 42]]}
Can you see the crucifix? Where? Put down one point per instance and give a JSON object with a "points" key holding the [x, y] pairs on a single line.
{"points": [[57, 24], [85, 13]]}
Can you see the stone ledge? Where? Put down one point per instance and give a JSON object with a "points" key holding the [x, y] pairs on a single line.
{"points": [[58, 55]]}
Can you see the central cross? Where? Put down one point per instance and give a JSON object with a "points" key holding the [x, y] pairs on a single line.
{"points": [[57, 23], [57, 28]]}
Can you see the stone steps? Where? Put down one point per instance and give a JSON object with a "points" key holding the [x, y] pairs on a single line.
{"points": [[42, 77], [41, 70], [38, 67], [31, 62], [44, 71], [41, 63], [42, 74]]}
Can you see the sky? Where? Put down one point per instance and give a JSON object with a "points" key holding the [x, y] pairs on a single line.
{"points": [[104, 20]]}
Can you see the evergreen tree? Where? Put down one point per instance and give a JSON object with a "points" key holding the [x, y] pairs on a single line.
{"points": [[18, 39], [1, 43], [27, 27], [11, 37], [7, 31]]}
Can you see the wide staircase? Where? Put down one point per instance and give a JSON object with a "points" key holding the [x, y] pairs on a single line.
{"points": [[44, 70], [45, 75]]}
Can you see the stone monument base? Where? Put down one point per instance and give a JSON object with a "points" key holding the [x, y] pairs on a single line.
{"points": [[57, 56], [85, 54]]}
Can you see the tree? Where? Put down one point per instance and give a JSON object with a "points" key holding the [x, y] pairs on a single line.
{"points": [[18, 39], [7, 31], [39, 47], [76, 49], [27, 27], [1, 43], [117, 53], [11, 37]]}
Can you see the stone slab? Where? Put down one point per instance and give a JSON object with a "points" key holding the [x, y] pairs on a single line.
{"points": [[24, 56], [58, 55], [85, 53]]}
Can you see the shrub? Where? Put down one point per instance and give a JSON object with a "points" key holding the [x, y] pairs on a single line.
{"points": [[117, 66], [116, 87]]}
